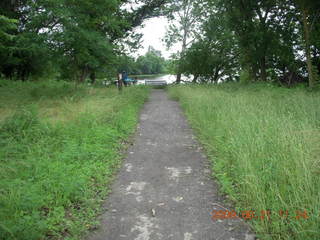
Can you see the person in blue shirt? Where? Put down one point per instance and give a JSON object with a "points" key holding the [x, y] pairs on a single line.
{"points": [[124, 78]]}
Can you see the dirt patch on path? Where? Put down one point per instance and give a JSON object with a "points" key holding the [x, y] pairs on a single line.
{"points": [[164, 190]]}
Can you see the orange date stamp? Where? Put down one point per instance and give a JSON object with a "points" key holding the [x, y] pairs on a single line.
{"points": [[259, 215]]}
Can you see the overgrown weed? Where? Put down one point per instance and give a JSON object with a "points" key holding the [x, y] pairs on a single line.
{"points": [[55, 169], [263, 142]]}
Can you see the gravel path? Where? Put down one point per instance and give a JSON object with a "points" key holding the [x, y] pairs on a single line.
{"points": [[164, 189]]}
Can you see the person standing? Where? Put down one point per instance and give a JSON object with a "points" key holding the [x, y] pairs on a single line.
{"points": [[120, 82], [124, 78]]}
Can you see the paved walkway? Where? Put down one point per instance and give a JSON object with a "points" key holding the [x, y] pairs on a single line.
{"points": [[164, 190]]}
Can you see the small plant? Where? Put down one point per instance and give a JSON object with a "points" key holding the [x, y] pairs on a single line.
{"points": [[23, 120]]}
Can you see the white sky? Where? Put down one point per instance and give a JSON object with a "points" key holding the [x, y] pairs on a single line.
{"points": [[153, 32]]}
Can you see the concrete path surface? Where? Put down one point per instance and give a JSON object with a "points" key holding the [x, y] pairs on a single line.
{"points": [[164, 189]]}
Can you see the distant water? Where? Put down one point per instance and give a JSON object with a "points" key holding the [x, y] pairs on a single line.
{"points": [[167, 77]]}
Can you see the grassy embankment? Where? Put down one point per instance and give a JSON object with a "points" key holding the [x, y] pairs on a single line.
{"points": [[59, 148], [264, 144]]}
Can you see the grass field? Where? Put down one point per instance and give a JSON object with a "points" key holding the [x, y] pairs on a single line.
{"points": [[264, 144], [60, 145]]}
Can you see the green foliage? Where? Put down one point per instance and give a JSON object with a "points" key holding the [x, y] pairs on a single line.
{"points": [[127, 64], [263, 142], [151, 63], [253, 35], [215, 55], [70, 39], [185, 18], [316, 74], [21, 53], [245, 76], [6, 26], [172, 65], [308, 13], [55, 174]]}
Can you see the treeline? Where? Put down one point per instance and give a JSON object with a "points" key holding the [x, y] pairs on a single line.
{"points": [[70, 39], [255, 40], [222, 40], [150, 63]]}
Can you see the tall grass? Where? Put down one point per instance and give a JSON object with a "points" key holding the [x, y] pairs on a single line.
{"points": [[264, 143], [59, 148]]}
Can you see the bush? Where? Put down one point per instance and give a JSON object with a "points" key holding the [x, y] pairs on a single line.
{"points": [[245, 76]]}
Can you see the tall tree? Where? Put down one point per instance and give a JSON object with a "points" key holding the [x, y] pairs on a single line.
{"points": [[81, 36], [184, 16], [214, 56], [309, 11], [252, 23], [7, 29], [151, 63]]}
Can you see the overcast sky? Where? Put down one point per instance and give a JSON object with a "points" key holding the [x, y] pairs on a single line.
{"points": [[153, 32]]}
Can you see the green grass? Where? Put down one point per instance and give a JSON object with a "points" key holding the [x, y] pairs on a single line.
{"points": [[264, 144], [60, 146]]}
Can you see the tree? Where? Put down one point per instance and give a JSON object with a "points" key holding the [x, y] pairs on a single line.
{"points": [[79, 37], [214, 56], [25, 53], [309, 11], [151, 63], [252, 23], [7, 28], [185, 16]]}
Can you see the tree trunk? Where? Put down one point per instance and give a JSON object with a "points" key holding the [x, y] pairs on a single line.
{"points": [[184, 47], [247, 65], [216, 75], [263, 69], [22, 74], [178, 78], [306, 28], [195, 78], [253, 74], [119, 82], [83, 75], [93, 77]]}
